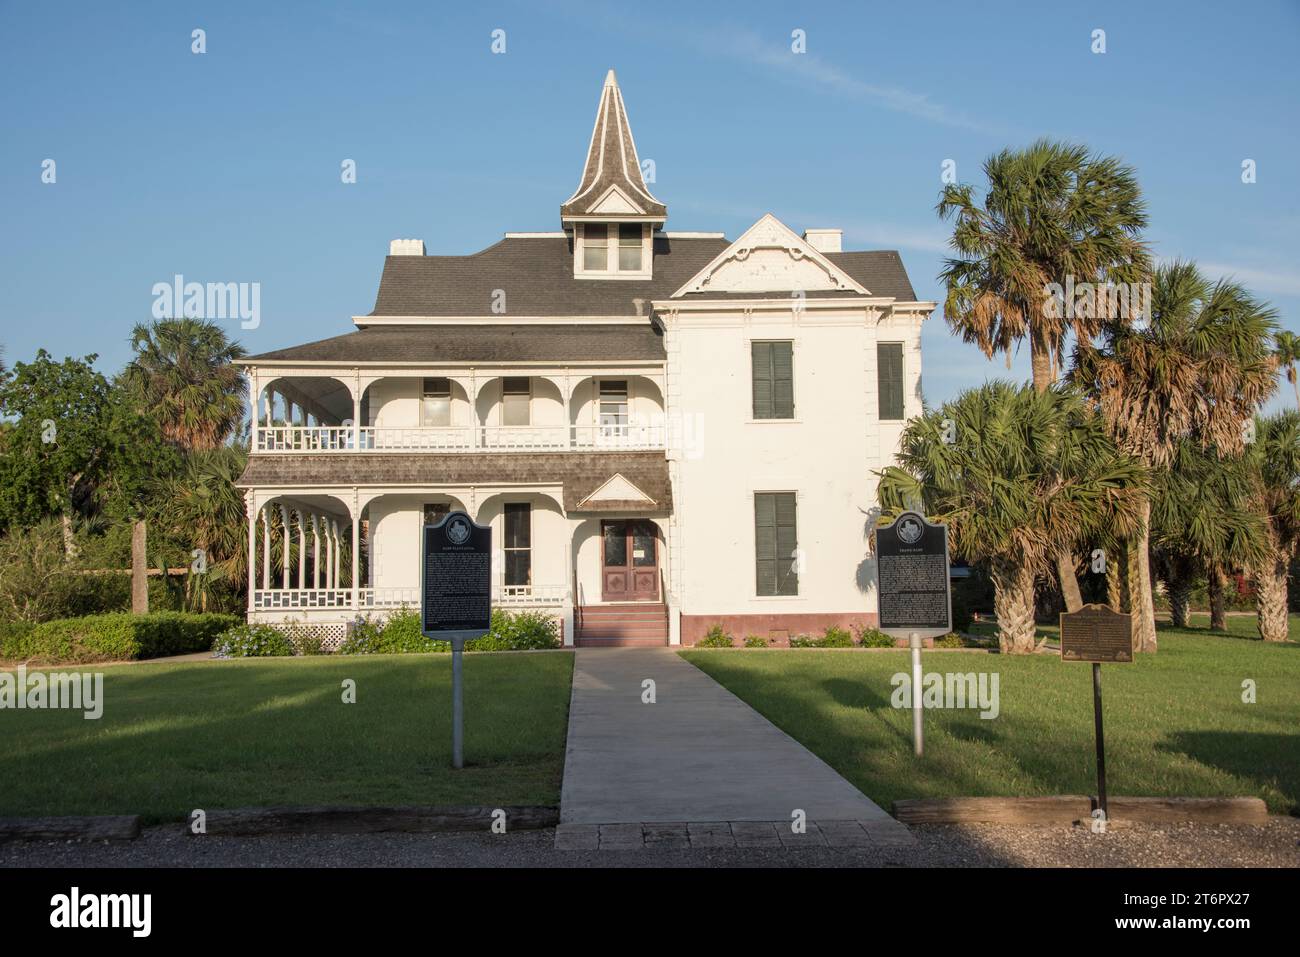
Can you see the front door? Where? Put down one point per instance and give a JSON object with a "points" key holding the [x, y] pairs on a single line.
{"points": [[630, 559]]}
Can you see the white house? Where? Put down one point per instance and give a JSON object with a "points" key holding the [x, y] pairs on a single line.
{"points": [[665, 430]]}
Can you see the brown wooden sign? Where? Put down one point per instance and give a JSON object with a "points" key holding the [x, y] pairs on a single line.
{"points": [[1096, 633]]}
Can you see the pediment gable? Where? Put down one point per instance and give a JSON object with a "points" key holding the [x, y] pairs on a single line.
{"points": [[617, 489], [615, 202], [770, 257]]}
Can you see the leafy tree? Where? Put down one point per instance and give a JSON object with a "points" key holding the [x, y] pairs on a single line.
{"points": [[1274, 461], [1196, 371], [182, 372], [1053, 212], [73, 444], [1026, 473]]}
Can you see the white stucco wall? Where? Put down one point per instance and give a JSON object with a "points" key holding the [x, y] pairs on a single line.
{"points": [[825, 455]]}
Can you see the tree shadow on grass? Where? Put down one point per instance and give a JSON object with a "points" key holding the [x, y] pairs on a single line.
{"points": [[1268, 761]]}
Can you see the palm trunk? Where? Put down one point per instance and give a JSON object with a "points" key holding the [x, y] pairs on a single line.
{"points": [[1180, 600], [1117, 579], [1214, 587], [1013, 602], [1141, 599], [1069, 581], [1271, 598], [139, 570]]}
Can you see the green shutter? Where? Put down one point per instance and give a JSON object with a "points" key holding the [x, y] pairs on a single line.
{"points": [[889, 379], [775, 541], [773, 378]]}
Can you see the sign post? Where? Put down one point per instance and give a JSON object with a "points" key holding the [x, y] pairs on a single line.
{"points": [[1096, 633], [456, 599], [915, 593]]}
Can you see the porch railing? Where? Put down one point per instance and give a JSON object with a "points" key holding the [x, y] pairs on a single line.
{"points": [[484, 438], [380, 599]]}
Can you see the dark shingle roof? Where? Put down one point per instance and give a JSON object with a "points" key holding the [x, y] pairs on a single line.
{"points": [[536, 276], [580, 473], [481, 343]]}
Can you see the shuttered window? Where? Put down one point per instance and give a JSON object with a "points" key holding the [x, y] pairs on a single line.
{"points": [[775, 542], [773, 370], [889, 379]]}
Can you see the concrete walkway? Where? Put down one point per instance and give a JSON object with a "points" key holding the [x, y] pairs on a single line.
{"points": [[698, 754]]}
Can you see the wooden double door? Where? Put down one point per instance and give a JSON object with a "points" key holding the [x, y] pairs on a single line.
{"points": [[629, 557]]}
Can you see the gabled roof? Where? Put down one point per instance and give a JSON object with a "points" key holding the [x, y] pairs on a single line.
{"points": [[611, 181]]}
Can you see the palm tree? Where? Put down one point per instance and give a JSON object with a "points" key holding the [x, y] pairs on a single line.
{"points": [[1053, 214], [1197, 370], [199, 507], [1028, 473], [1203, 521], [1288, 354], [182, 372], [1274, 459]]}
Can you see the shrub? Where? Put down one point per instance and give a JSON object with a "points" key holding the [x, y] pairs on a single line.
{"points": [[961, 614], [12, 636], [950, 640], [520, 631], [398, 634], [803, 641], [118, 636], [874, 638], [835, 637], [715, 637], [753, 641], [253, 641]]}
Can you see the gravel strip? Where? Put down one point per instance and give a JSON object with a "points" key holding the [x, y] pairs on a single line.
{"points": [[1276, 844]]}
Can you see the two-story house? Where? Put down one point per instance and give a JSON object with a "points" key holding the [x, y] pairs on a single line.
{"points": [[665, 430]]}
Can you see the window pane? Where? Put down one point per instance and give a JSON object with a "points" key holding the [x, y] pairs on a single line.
{"points": [[629, 258], [595, 255], [519, 567], [613, 405], [518, 525], [514, 400], [615, 544], [643, 547], [629, 234], [515, 385]]}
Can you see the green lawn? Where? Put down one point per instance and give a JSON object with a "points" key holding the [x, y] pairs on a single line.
{"points": [[244, 733], [1175, 721]]}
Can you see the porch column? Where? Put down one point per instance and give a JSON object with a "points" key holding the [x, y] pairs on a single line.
{"points": [[568, 424], [302, 552], [285, 553], [335, 553], [266, 547], [254, 410], [329, 553], [250, 506], [356, 411], [571, 572], [315, 555], [356, 557]]}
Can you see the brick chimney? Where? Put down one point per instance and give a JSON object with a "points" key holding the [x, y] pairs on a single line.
{"points": [[824, 240]]}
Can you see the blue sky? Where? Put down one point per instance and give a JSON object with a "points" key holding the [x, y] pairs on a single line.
{"points": [[225, 166]]}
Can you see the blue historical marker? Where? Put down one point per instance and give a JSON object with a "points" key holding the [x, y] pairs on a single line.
{"points": [[456, 598]]}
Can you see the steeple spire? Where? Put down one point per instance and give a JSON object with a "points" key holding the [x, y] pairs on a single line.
{"points": [[612, 184]]}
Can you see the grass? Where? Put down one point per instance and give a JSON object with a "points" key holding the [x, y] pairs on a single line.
{"points": [[174, 737], [1175, 722], [1239, 626]]}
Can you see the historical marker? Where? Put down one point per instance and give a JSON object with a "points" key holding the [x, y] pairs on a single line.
{"points": [[456, 597], [914, 592], [1097, 633]]}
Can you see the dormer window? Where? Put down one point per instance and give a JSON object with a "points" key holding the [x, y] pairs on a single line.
{"points": [[629, 247], [614, 250], [595, 247]]}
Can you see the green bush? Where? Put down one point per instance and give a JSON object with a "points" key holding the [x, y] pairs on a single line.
{"points": [[803, 641], [12, 636], [400, 634], [753, 641], [874, 638], [835, 637], [253, 641], [715, 637], [950, 640], [117, 637]]}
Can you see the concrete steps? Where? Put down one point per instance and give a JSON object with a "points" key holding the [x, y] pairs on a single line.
{"points": [[641, 624]]}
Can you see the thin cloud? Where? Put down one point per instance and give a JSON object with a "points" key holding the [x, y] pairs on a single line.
{"points": [[1279, 282]]}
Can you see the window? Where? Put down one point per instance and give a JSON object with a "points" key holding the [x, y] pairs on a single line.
{"points": [[595, 247], [775, 543], [889, 372], [515, 393], [613, 407], [435, 403], [629, 247], [519, 543], [773, 370]]}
